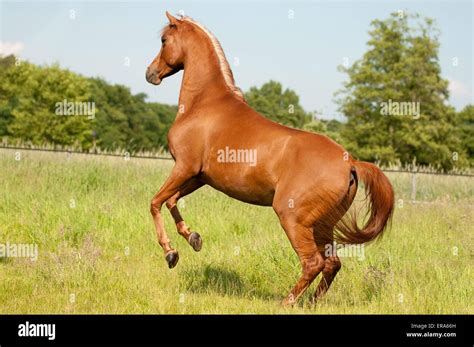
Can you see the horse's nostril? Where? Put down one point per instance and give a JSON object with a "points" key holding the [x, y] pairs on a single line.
{"points": [[149, 75]]}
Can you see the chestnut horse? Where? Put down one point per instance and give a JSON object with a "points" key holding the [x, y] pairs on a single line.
{"points": [[219, 140]]}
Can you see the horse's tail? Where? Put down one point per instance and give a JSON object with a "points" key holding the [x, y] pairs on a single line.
{"points": [[379, 193]]}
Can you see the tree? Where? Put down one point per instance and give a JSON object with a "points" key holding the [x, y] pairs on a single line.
{"points": [[166, 115], [465, 125], [279, 105], [399, 72], [331, 128], [5, 107], [29, 96], [6, 62], [126, 121]]}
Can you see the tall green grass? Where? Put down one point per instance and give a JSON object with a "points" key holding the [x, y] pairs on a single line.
{"points": [[98, 251]]}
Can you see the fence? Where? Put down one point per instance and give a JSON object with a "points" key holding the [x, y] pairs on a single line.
{"points": [[105, 154], [414, 174]]}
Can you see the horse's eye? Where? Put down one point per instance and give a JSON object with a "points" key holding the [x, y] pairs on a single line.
{"points": [[163, 39]]}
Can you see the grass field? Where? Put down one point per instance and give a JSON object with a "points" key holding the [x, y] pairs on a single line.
{"points": [[98, 252]]}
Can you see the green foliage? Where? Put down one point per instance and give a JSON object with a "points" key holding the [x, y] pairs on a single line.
{"points": [[279, 105], [331, 128], [465, 123], [29, 96], [126, 121], [401, 65], [5, 107], [315, 126], [166, 114], [6, 63]]}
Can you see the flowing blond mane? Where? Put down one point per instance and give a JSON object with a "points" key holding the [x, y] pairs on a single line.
{"points": [[223, 63]]}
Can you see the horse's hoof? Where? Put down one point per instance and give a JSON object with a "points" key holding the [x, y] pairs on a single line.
{"points": [[172, 258], [195, 241], [289, 301]]}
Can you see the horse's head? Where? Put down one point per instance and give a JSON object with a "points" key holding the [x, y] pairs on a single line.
{"points": [[170, 59]]}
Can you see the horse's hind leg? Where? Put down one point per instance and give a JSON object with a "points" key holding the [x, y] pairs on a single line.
{"points": [[332, 264], [302, 240], [193, 238], [325, 229]]}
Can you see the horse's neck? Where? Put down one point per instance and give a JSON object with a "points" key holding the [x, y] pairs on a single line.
{"points": [[202, 79]]}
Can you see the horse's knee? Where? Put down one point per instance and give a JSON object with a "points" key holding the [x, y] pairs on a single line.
{"points": [[155, 207]]}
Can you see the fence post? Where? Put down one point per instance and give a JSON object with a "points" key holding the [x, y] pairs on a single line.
{"points": [[413, 187]]}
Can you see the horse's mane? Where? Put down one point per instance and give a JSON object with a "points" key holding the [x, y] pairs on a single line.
{"points": [[223, 63]]}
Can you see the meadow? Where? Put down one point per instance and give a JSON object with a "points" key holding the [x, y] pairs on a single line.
{"points": [[98, 253]]}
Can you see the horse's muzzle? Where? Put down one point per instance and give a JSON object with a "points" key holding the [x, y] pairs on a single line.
{"points": [[152, 77]]}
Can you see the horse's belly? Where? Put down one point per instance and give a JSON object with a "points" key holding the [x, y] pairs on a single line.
{"points": [[239, 185]]}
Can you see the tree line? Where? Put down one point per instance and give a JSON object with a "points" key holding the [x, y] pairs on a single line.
{"points": [[29, 96], [395, 102]]}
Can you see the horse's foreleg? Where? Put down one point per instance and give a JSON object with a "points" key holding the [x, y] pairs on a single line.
{"points": [[193, 238], [175, 181]]}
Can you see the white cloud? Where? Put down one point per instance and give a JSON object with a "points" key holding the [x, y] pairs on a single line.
{"points": [[7, 48], [458, 89]]}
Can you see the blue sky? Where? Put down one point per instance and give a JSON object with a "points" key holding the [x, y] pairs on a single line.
{"points": [[303, 53]]}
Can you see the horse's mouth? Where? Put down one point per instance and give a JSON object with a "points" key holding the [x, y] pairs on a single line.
{"points": [[156, 81]]}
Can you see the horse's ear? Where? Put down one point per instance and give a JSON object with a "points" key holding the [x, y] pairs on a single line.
{"points": [[173, 20]]}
